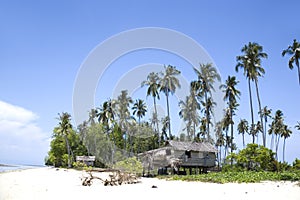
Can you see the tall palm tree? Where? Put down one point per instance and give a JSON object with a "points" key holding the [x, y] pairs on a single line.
{"points": [[168, 84], [231, 95], [226, 121], [207, 75], [106, 113], [250, 61], [276, 128], [294, 51], [265, 113], [92, 115], [220, 140], [139, 109], [188, 112], [153, 87], [243, 128], [122, 111], [286, 133], [64, 129]]}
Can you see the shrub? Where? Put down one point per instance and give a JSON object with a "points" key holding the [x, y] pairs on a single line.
{"points": [[130, 165]]}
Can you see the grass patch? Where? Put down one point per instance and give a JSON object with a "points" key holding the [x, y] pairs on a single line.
{"points": [[239, 177]]}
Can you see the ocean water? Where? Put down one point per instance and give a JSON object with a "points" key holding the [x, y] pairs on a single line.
{"points": [[8, 167]]}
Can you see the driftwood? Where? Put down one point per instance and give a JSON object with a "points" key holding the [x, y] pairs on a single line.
{"points": [[116, 177]]}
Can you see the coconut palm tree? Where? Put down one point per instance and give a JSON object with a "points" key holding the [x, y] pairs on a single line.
{"points": [[207, 75], [226, 121], [294, 51], [220, 141], [153, 87], [250, 62], [64, 129], [298, 126], [122, 111], [168, 84], [231, 95], [189, 113], [92, 115], [106, 113], [276, 128], [139, 109], [265, 113], [243, 128], [286, 133]]}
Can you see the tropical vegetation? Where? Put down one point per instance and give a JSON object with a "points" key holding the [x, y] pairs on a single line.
{"points": [[117, 129]]}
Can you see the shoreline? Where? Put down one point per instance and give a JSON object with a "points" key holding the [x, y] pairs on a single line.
{"points": [[56, 183]]}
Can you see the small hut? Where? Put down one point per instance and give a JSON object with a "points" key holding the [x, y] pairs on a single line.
{"points": [[177, 155], [88, 160]]}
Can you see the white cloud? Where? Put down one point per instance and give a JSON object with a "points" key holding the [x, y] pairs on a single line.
{"points": [[21, 139]]}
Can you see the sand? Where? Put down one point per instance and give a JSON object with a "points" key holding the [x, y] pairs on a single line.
{"points": [[50, 183]]}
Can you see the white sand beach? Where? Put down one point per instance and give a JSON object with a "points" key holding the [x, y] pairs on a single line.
{"points": [[49, 183]]}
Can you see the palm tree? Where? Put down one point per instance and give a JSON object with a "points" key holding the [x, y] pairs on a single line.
{"points": [[92, 115], [265, 113], [251, 63], [226, 121], [106, 113], [298, 126], [276, 128], [139, 109], [64, 129], [207, 75], [168, 84], [231, 95], [293, 50], [286, 132], [153, 87], [220, 140], [243, 128], [122, 111]]}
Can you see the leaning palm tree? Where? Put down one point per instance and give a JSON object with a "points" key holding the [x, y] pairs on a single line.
{"points": [[250, 61], [294, 51], [286, 133], [243, 128], [153, 87], [64, 129], [168, 84], [231, 95], [207, 75], [139, 109]]}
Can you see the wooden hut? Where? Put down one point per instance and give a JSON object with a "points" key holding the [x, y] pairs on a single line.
{"points": [[179, 156], [88, 160]]}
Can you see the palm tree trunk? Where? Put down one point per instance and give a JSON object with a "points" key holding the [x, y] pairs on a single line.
{"points": [[207, 117], [156, 121], [277, 144], [298, 73], [169, 120], [251, 106], [231, 137], [283, 150], [68, 149], [260, 115], [272, 142], [243, 140]]}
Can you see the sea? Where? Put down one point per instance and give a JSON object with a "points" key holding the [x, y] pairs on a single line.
{"points": [[14, 167]]}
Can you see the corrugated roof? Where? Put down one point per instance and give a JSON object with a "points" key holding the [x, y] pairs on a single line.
{"points": [[192, 146]]}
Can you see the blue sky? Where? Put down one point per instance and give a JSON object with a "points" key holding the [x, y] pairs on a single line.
{"points": [[43, 45]]}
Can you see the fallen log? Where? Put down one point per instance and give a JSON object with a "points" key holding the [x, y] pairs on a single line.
{"points": [[116, 177]]}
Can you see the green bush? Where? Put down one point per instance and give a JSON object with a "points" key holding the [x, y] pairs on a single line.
{"points": [[130, 165], [254, 158]]}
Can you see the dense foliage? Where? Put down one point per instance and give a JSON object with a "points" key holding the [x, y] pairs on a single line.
{"points": [[130, 165], [254, 157], [240, 177]]}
